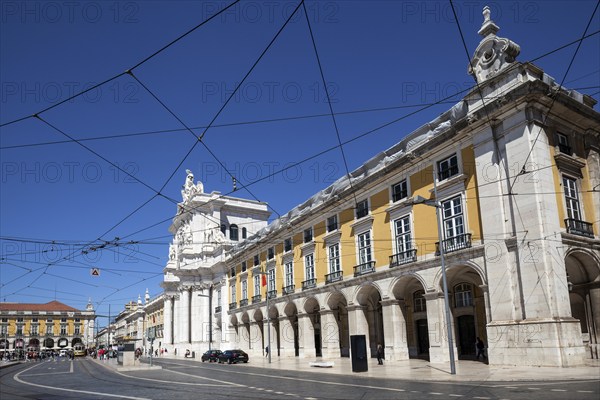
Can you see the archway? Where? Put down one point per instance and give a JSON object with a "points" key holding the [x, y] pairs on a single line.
{"points": [[245, 335], [311, 307], [409, 292], [337, 303], [275, 331], [258, 335], [583, 282], [289, 340], [48, 343], [368, 296]]}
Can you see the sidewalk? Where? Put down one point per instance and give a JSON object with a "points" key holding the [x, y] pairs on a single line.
{"points": [[421, 370]]}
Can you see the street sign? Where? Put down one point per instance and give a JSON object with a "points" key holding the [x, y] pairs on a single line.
{"points": [[95, 271]]}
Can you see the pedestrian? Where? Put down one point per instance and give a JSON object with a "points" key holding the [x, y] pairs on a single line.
{"points": [[267, 351], [379, 354], [480, 349]]}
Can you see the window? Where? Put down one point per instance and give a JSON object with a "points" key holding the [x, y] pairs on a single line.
{"points": [[571, 198], [271, 280], [77, 330], [271, 253], [232, 289], [34, 330], [4, 319], [448, 167], [223, 229], [463, 295], [308, 235], [232, 272], [244, 233], [362, 209], [233, 233], [63, 330], [20, 320], [309, 266], [256, 260], [49, 320], [77, 319], [63, 320], [19, 330], [244, 267], [289, 273], [244, 290], [364, 247], [453, 218], [256, 284], [287, 245], [219, 297], [34, 320], [399, 191], [563, 143], [334, 258], [419, 302], [3, 330], [332, 223], [49, 329], [403, 234]]}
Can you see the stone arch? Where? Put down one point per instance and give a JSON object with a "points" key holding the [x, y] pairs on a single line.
{"points": [[368, 297], [336, 332], [408, 290]]}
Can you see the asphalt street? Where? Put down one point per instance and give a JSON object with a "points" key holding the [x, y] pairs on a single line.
{"points": [[88, 379]]}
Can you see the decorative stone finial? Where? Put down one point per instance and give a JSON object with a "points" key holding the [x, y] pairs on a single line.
{"points": [[493, 53]]}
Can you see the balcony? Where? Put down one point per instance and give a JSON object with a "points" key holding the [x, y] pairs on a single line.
{"points": [[309, 284], [256, 299], [454, 243], [405, 257], [232, 306], [289, 289], [334, 277], [364, 268], [243, 302], [271, 294], [577, 227], [217, 309]]}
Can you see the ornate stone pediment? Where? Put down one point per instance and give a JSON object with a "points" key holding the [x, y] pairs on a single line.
{"points": [[493, 53]]}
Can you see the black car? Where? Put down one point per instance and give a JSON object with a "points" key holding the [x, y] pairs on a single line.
{"points": [[211, 355], [233, 356]]}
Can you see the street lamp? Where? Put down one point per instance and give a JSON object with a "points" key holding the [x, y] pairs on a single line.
{"points": [[435, 203], [268, 321]]}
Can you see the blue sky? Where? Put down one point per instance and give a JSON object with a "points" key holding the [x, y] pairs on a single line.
{"points": [[63, 204]]}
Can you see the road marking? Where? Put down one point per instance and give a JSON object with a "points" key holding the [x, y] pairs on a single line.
{"points": [[99, 394], [71, 369], [482, 398], [585, 391], [436, 393], [511, 387], [533, 388], [456, 395], [279, 393], [558, 390]]}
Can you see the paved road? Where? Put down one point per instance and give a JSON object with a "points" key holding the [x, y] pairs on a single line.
{"points": [[182, 380]]}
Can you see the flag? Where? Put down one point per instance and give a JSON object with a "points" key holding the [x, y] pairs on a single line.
{"points": [[264, 280]]}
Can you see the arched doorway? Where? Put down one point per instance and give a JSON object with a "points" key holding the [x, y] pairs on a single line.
{"points": [[368, 296], [289, 330], [48, 343], [75, 341], [311, 307], [337, 303], [245, 336], [583, 282], [412, 318]]}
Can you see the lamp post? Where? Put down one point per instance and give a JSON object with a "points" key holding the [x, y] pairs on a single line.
{"points": [[435, 203], [268, 320]]}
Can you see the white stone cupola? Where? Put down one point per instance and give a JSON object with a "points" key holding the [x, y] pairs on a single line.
{"points": [[493, 53]]}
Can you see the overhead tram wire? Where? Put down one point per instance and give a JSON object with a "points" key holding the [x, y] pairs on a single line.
{"points": [[148, 58], [555, 95], [335, 125]]}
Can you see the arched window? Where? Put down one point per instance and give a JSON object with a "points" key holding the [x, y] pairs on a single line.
{"points": [[244, 233], [463, 295], [419, 302], [223, 229], [233, 232]]}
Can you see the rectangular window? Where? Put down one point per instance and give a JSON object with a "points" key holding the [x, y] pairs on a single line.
{"points": [[34, 330], [256, 260], [271, 280], [453, 218], [399, 191], [334, 258], [271, 253], [232, 289], [244, 267], [77, 319], [362, 209], [63, 329], [571, 198], [289, 273], [308, 235], [309, 265], [49, 329], [403, 234], [3, 330], [19, 330], [256, 284], [287, 245], [219, 297], [4, 319], [364, 247], [77, 330], [63, 320], [244, 290], [34, 320], [49, 320], [563, 143], [448, 167], [332, 223], [232, 272], [20, 319]]}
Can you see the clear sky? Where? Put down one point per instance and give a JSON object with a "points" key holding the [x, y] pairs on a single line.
{"points": [[67, 201]]}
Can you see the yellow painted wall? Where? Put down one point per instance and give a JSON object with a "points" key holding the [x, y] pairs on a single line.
{"points": [[424, 219], [472, 198], [347, 242], [381, 240], [320, 252]]}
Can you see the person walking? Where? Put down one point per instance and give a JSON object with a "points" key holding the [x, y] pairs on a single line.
{"points": [[379, 354], [267, 351], [480, 349]]}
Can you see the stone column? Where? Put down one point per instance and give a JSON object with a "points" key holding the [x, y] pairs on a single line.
{"points": [[594, 325], [286, 337], [330, 334], [306, 339], [394, 330], [273, 346], [185, 315], [176, 319], [256, 339], [168, 320], [436, 325], [358, 324]]}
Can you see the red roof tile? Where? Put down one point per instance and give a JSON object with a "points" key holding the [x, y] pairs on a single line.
{"points": [[50, 306]]}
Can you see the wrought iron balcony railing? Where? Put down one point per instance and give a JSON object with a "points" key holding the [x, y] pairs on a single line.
{"points": [[288, 289], [243, 302], [217, 309], [364, 268], [454, 243], [271, 294], [404, 257], [233, 306], [578, 227], [256, 299], [334, 277], [309, 284]]}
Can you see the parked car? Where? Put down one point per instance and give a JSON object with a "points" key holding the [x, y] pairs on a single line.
{"points": [[211, 355], [233, 356]]}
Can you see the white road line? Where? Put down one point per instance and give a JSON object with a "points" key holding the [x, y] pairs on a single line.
{"points": [[456, 395], [99, 394], [558, 390], [482, 398], [533, 388], [436, 393], [585, 391], [511, 387], [71, 369]]}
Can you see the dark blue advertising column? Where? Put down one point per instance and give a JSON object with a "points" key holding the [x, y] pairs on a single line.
{"points": [[358, 352]]}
